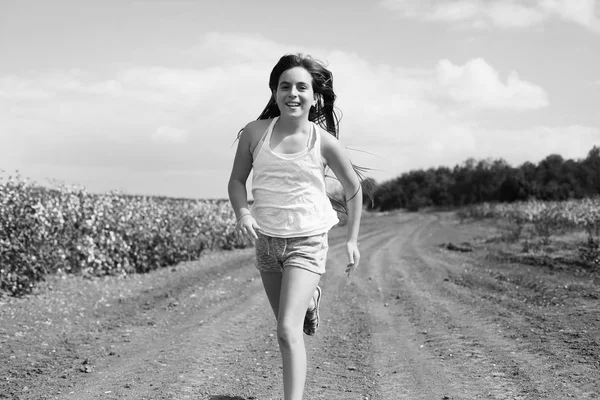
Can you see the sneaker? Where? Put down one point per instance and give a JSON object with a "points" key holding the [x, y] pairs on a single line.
{"points": [[312, 317]]}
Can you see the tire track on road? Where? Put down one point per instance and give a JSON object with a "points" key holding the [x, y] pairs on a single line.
{"points": [[476, 333], [208, 316], [405, 369], [341, 354], [470, 348]]}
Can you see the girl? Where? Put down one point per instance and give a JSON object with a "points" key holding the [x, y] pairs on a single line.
{"points": [[289, 146]]}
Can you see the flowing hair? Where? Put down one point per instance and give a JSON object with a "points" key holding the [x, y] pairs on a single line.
{"points": [[323, 113]]}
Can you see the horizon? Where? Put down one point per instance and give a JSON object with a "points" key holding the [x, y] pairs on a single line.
{"points": [[36, 184]]}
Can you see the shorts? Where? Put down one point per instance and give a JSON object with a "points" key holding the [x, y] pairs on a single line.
{"points": [[273, 254]]}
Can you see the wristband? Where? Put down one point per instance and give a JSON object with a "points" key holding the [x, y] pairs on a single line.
{"points": [[242, 216]]}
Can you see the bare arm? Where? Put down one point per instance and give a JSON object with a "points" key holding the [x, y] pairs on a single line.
{"points": [[238, 196], [340, 164]]}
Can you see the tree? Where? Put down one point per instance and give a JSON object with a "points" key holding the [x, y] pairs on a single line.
{"points": [[553, 178]]}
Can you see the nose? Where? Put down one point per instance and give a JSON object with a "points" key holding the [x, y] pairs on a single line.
{"points": [[293, 91]]}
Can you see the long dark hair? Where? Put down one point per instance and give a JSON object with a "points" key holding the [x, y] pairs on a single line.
{"points": [[323, 113]]}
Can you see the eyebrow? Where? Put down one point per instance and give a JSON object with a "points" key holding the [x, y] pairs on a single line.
{"points": [[297, 83]]}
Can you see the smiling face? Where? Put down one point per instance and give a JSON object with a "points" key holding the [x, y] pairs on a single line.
{"points": [[294, 95]]}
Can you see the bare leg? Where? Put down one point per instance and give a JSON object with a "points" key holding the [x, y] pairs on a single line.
{"points": [[272, 284], [297, 288], [289, 293]]}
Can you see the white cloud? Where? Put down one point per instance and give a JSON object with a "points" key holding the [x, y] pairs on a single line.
{"points": [[535, 143], [512, 15], [478, 84], [78, 82], [583, 12], [233, 48], [18, 88], [417, 118], [457, 142], [169, 134], [499, 13]]}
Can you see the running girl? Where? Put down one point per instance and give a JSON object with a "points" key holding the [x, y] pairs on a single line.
{"points": [[294, 139]]}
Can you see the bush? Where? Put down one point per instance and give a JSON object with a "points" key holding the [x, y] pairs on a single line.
{"points": [[66, 229]]}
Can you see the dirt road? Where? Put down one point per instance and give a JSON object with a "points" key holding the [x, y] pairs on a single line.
{"points": [[417, 321]]}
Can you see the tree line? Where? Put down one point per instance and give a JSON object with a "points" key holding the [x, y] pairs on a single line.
{"points": [[488, 180]]}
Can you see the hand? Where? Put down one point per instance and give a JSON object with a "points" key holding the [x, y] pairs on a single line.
{"points": [[247, 226], [353, 257]]}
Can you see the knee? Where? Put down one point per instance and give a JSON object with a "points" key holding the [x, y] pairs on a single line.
{"points": [[288, 335]]}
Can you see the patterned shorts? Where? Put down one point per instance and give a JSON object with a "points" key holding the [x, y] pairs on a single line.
{"points": [[273, 254]]}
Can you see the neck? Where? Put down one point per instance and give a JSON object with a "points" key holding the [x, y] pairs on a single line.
{"points": [[292, 125]]}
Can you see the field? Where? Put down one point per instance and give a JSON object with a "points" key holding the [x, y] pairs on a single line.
{"points": [[443, 306], [68, 230]]}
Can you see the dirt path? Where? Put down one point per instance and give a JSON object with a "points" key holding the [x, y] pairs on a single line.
{"points": [[415, 322]]}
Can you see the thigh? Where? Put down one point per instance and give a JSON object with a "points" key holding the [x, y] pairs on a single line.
{"points": [[297, 288], [272, 284]]}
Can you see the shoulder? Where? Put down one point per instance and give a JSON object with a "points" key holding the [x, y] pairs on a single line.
{"points": [[253, 132], [256, 128], [333, 152], [329, 143]]}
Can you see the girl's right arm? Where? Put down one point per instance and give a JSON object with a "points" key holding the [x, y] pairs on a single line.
{"points": [[238, 196]]}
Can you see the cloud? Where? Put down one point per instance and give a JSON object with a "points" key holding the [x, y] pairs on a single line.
{"points": [[477, 84], [18, 88], [535, 143], [170, 134], [140, 123], [239, 49], [583, 12], [506, 14], [408, 118]]}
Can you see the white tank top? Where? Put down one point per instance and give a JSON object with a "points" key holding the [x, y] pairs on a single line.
{"points": [[290, 198]]}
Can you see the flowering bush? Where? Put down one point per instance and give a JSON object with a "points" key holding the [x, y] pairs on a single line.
{"points": [[66, 229], [548, 217], [564, 214]]}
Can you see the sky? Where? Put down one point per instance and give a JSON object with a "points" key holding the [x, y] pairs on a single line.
{"points": [[147, 96]]}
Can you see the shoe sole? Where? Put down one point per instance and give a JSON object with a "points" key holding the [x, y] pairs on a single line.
{"points": [[317, 304]]}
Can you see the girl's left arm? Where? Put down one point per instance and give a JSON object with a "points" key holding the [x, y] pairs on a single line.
{"points": [[339, 162]]}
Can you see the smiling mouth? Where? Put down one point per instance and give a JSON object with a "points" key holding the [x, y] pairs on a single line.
{"points": [[292, 104]]}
